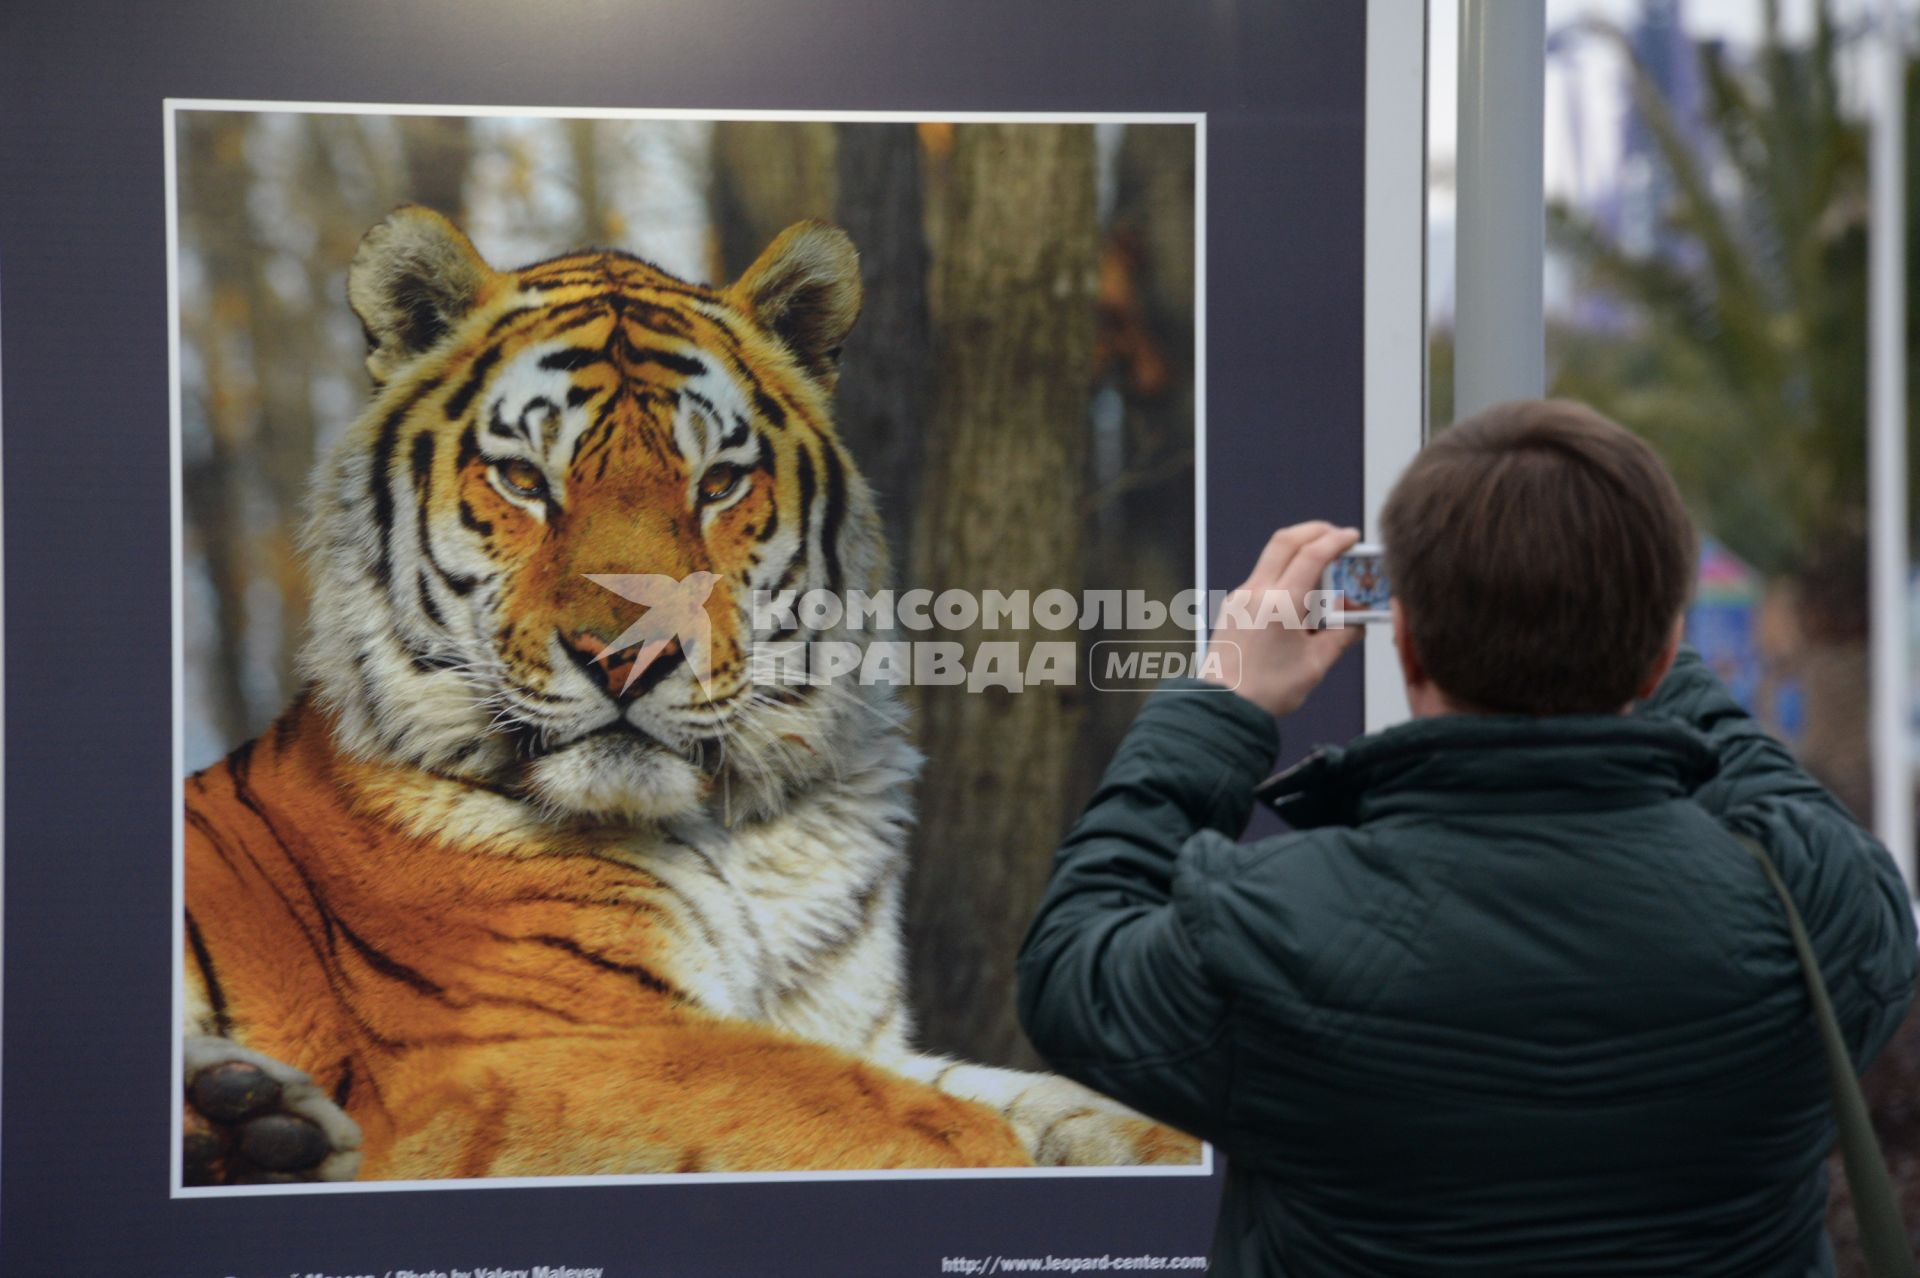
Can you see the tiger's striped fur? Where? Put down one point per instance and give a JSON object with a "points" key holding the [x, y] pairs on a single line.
{"points": [[513, 917]]}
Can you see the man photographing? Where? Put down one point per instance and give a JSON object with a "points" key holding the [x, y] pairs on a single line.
{"points": [[1514, 998]]}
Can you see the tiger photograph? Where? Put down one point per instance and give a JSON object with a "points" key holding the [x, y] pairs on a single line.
{"points": [[500, 855]]}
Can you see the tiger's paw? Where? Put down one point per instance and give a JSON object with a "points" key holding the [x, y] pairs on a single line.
{"points": [[247, 1119], [1067, 1125], [1092, 1138], [1061, 1123]]}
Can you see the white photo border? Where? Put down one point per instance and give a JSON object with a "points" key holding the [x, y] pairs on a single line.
{"points": [[172, 107]]}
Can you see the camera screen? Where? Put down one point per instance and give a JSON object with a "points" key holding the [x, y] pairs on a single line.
{"points": [[1361, 581]]}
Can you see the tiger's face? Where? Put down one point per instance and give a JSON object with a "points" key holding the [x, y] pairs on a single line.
{"points": [[536, 556]]}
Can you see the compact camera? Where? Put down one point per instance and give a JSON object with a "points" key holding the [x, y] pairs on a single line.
{"points": [[1360, 575]]}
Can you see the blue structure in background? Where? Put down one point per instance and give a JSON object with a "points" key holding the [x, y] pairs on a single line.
{"points": [[1723, 623]]}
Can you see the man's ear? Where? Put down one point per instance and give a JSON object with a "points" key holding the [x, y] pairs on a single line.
{"points": [[805, 290], [414, 277], [1411, 670], [1424, 697], [1666, 659]]}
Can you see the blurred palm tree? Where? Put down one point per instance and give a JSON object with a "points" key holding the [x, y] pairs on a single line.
{"points": [[1746, 358]]}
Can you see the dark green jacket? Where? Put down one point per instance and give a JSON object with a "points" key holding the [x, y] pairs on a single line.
{"points": [[1511, 1001]]}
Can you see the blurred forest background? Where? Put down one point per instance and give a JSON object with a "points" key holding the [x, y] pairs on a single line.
{"points": [[1019, 390]]}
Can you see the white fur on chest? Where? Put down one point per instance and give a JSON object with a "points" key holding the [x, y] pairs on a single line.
{"points": [[798, 917], [793, 920]]}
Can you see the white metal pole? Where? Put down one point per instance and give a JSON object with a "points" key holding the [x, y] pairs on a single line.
{"points": [[1396, 299], [1499, 324], [1893, 793]]}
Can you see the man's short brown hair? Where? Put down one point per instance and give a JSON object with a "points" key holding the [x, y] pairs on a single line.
{"points": [[1540, 554]]}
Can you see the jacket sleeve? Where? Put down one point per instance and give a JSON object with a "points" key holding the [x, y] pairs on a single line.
{"points": [[1114, 989], [1856, 908]]}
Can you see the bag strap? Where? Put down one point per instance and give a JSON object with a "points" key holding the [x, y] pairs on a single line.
{"points": [[1883, 1235]]}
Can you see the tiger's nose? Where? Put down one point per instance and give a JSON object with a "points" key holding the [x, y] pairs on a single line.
{"points": [[624, 674]]}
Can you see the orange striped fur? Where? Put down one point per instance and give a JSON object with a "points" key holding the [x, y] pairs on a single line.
{"points": [[486, 1015]]}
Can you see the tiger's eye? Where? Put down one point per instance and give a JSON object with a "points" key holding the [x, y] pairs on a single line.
{"points": [[523, 477], [719, 481]]}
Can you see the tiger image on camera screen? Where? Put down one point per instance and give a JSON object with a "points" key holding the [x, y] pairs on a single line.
{"points": [[508, 890]]}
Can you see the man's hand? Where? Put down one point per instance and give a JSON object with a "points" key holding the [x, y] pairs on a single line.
{"points": [[1274, 665]]}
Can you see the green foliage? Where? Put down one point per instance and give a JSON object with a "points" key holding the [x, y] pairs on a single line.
{"points": [[1746, 362]]}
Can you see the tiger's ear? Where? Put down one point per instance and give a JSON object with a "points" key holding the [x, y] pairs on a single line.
{"points": [[413, 278], [805, 290]]}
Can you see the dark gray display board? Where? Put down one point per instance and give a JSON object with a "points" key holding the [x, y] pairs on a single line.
{"points": [[86, 1106]]}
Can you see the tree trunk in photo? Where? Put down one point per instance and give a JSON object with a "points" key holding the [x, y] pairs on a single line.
{"points": [[1001, 507], [600, 222], [288, 337], [215, 179], [1141, 508], [881, 405], [767, 175], [439, 149]]}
